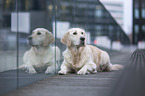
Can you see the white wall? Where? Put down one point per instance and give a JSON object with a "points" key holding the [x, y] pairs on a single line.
{"points": [[128, 16], [141, 45], [23, 22], [103, 41], [62, 28]]}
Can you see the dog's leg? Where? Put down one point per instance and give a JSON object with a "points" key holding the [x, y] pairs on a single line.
{"points": [[64, 68], [27, 65], [30, 69], [52, 68], [90, 67]]}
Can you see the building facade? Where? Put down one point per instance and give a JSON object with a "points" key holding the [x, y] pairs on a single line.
{"points": [[92, 16], [115, 7], [88, 14], [138, 21]]}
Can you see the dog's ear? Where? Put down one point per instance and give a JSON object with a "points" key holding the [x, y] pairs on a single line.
{"points": [[48, 39], [66, 39]]}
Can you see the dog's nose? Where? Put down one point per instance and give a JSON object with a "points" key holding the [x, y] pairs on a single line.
{"points": [[29, 38], [82, 38]]}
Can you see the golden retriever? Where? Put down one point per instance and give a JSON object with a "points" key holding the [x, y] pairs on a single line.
{"points": [[82, 58], [41, 56]]}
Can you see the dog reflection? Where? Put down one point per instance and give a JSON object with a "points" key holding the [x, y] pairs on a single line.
{"points": [[41, 56]]}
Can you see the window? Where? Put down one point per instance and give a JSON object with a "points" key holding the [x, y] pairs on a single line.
{"points": [[136, 13], [143, 28], [136, 29]]}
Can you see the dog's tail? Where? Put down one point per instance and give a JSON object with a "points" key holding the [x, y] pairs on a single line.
{"points": [[116, 66]]}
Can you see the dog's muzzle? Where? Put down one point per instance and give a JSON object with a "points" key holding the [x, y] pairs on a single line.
{"points": [[82, 41]]}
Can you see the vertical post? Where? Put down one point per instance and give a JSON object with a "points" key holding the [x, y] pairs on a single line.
{"points": [[17, 57], [140, 21], [55, 36], [133, 23], [54, 28]]}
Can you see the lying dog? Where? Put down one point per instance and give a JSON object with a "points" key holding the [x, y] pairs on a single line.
{"points": [[41, 56], [83, 58]]}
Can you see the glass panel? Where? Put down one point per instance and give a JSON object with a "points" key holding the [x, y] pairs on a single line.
{"points": [[8, 47], [17, 22], [36, 52]]}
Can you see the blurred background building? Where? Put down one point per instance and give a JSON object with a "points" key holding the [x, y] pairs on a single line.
{"points": [[90, 15]]}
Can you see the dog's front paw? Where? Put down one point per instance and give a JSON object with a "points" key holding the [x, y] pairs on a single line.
{"points": [[62, 72], [49, 70], [82, 72], [31, 71], [94, 72]]}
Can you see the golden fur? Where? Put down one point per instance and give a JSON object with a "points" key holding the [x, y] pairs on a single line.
{"points": [[82, 58]]}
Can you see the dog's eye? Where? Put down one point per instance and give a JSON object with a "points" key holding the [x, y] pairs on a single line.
{"points": [[38, 33], [82, 33], [75, 33]]}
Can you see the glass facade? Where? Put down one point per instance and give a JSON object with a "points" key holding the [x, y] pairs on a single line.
{"points": [[18, 18], [138, 21]]}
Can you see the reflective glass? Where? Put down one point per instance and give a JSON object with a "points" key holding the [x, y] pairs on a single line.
{"points": [[28, 55], [8, 47]]}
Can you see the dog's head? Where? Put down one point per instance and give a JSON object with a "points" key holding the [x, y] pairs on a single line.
{"points": [[40, 37], [74, 37]]}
